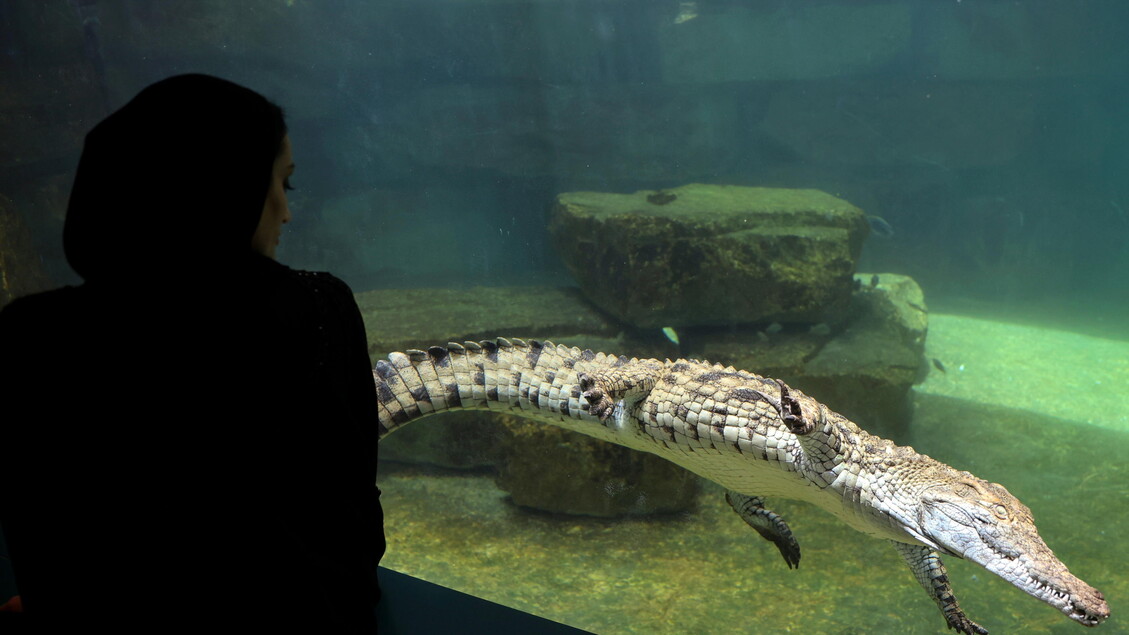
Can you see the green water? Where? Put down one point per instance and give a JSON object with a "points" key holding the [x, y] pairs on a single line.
{"points": [[707, 572]]}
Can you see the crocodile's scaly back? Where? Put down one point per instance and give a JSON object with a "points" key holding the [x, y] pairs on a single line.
{"points": [[755, 436], [689, 412]]}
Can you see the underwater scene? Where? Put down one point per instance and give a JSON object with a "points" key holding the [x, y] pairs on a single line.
{"points": [[912, 213]]}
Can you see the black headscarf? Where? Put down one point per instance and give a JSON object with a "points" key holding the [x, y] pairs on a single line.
{"points": [[172, 183]]}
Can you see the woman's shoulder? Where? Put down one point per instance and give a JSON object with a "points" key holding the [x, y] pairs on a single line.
{"points": [[322, 281], [328, 293], [276, 273]]}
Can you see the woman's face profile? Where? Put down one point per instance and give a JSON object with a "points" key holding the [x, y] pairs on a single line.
{"points": [[276, 212]]}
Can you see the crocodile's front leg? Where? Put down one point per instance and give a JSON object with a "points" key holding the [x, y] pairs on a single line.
{"points": [[931, 574], [813, 430], [791, 413], [768, 524], [630, 381]]}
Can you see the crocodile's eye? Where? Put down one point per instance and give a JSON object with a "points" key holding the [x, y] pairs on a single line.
{"points": [[1000, 511]]}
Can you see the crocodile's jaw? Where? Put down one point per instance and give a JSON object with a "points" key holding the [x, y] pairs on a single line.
{"points": [[1074, 598], [984, 523]]}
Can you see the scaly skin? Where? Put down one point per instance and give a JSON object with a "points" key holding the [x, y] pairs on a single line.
{"points": [[754, 436]]}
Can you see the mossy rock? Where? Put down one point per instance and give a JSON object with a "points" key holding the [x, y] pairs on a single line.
{"points": [[711, 254], [555, 470]]}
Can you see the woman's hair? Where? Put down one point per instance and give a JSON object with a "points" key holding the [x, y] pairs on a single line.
{"points": [[174, 182]]}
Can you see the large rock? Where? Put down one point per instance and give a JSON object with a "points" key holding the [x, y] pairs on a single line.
{"points": [[862, 366], [711, 254], [866, 371], [555, 470], [460, 440]]}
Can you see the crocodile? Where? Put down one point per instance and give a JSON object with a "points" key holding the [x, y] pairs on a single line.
{"points": [[756, 437]]}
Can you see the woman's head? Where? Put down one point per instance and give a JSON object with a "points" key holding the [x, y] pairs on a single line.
{"points": [[175, 181]]}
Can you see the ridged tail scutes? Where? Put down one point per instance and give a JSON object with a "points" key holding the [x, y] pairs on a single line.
{"points": [[502, 374]]}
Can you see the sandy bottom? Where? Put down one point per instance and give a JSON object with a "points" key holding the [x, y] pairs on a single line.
{"points": [[1079, 378]]}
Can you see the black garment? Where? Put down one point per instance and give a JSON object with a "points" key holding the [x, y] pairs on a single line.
{"points": [[188, 439], [192, 457]]}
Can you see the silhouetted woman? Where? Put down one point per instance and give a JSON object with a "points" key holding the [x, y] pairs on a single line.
{"points": [[189, 437]]}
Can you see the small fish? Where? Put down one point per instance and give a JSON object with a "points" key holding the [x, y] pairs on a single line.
{"points": [[874, 281], [661, 197], [686, 11], [762, 336], [879, 226], [774, 328], [671, 335], [939, 366]]}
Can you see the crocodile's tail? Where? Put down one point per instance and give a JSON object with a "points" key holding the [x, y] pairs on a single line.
{"points": [[507, 374]]}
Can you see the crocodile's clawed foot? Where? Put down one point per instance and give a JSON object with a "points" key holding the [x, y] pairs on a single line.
{"points": [[934, 578], [792, 413], [768, 524], [788, 407], [599, 403], [626, 384], [962, 624]]}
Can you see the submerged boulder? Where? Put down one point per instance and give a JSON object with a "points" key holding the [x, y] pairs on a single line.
{"points": [[701, 255], [867, 370], [862, 366], [555, 470]]}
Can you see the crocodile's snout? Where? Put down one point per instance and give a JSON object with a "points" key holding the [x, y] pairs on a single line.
{"points": [[1085, 604], [983, 522]]}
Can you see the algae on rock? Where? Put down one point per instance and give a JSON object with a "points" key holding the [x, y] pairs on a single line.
{"points": [[711, 254]]}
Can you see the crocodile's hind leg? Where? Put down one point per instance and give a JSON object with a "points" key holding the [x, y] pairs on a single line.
{"points": [[768, 524], [931, 574], [629, 381]]}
